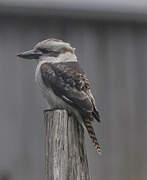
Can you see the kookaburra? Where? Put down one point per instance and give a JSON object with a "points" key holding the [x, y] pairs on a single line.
{"points": [[63, 83]]}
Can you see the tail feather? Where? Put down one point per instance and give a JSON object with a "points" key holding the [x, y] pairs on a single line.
{"points": [[92, 135], [95, 113]]}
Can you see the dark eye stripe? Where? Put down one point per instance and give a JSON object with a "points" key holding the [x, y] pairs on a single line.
{"points": [[45, 51], [50, 53]]}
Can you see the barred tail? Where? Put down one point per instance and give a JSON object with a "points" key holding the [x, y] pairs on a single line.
{"points": [[92, 135]]}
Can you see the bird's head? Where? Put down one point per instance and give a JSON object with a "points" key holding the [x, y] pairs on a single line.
{"points": [[47, 49]]}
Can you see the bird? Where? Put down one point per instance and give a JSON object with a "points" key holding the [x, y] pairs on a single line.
{"points": [[63, 82]]}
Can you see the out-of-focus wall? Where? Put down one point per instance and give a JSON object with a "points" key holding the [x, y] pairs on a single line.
{"points": [[114, 58], [115, 5], [94, 9]]}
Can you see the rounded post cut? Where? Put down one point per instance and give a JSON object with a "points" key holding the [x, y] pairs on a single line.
{"points": [[65, 152]]}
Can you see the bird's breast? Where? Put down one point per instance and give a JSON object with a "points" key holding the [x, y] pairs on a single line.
{"points": [[47, 92]]}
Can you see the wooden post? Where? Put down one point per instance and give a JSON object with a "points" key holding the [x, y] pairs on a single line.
{"points": [[65, 155]]}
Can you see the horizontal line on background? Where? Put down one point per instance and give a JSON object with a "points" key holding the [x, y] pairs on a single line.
{"points": [[99, 14]]}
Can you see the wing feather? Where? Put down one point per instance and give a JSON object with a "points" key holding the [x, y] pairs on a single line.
{"points": [[70, 83]]}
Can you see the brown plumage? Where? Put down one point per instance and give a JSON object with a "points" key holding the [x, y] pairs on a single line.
{"points": [[70, 83], [92, 135]]}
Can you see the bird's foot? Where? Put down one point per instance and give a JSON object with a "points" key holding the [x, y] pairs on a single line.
{"points": [[46, 110]]}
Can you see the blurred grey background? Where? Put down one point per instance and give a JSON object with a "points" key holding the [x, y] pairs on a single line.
{"points": [[111, 44]]}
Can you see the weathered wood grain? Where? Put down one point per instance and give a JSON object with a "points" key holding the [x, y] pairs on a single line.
{"points": [[65, 155]]}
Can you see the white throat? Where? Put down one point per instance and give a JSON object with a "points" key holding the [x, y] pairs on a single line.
{"points": [[64, 57]]}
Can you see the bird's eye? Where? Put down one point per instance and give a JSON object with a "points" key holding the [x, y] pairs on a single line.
{"points": [[44, 51], [49, 52]]}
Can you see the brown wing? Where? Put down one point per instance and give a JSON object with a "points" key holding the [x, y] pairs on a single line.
{"points": [[69, 82]]}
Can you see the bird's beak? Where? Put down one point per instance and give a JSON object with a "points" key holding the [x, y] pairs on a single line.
{"points": [[32, 54]]}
